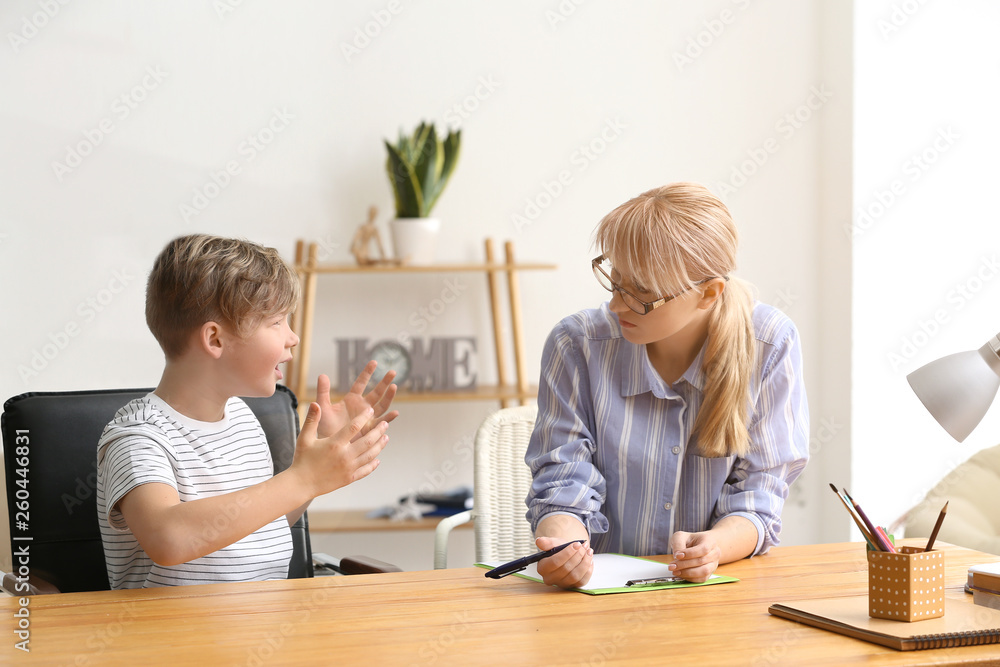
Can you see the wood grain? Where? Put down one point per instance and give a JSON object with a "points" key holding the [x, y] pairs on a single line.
{"points": [[458, 617]]}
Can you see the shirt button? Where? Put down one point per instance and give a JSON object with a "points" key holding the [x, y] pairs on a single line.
{"points": [[668, 506], [676, 450]]}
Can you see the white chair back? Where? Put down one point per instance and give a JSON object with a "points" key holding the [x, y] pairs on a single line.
{"points": [[502, 481]]}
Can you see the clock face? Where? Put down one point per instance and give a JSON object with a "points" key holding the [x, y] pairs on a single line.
{"points": [[391, 356]]}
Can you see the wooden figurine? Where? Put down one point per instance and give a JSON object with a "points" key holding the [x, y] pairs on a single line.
{"points": [[367, 233]]}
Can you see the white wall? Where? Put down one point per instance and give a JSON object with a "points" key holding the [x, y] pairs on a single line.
{"points": [[547, 86], [926, 278]]}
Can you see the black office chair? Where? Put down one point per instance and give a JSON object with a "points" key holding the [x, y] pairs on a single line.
{"points": [[50, 456]]}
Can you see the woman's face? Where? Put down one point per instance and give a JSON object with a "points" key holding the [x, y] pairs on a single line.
{"points": [[677, 315]]}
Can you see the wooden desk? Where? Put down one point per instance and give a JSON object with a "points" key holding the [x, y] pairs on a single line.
{"points": [[458, 617]]}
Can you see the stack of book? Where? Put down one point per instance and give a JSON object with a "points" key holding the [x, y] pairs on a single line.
{"points": [[984, 584]]}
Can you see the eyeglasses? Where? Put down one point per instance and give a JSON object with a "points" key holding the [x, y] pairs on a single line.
{"points": [[602, 269]]}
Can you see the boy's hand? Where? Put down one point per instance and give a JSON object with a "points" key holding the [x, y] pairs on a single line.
{"points": [[327, 464], [570, 568], [336, 416]]}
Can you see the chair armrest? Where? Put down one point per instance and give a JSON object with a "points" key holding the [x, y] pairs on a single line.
{"points": [[441, 536], [350, 565], [36, 585]]}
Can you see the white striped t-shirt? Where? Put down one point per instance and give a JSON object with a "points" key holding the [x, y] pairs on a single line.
{"points": [[148, 441]]}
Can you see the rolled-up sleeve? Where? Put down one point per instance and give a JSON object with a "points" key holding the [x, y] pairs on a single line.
{"points": [[560, 452], [779, 443]]}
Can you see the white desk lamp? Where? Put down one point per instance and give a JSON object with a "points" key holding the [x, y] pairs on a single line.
{"points": [[958, 389]]}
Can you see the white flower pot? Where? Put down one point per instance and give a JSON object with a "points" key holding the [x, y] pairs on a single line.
{"points": [[414, 239]]}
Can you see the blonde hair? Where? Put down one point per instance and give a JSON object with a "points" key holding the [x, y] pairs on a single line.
{"points": [[200, 278], [668, 239]]}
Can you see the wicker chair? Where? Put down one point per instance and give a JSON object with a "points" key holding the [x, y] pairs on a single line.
{"points": [[501, 483]]}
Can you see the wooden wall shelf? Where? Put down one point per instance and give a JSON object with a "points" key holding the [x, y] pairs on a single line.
{"points": [[506, 391]]}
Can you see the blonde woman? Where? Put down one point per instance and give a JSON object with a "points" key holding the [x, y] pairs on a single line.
{"points": [[673, 418]]}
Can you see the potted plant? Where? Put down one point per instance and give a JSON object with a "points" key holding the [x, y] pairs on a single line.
{"points": [[419, 166]]}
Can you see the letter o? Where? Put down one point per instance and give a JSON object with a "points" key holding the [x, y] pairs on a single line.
{"points": [[600, 147]]}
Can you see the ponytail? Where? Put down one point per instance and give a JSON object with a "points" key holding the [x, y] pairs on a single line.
{"points": [[721, 425]]}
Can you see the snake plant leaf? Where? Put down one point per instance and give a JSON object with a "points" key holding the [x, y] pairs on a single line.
{"points": [[449, 159], [426, 165], [409, 199], [419, 166]]}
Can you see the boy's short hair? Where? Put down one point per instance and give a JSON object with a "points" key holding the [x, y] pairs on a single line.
{"points": [[201, 278]]}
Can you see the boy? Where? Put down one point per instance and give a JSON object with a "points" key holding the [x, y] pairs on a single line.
{"points": [[185, 489]]}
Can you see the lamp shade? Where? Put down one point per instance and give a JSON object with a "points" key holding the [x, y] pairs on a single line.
{"points": [[958, 389]]}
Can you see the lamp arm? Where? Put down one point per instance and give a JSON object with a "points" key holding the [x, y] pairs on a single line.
{"points": [[990, 352]]}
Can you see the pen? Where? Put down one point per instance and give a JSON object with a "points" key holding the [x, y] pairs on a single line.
{"points": [[521, 563], [654, 580], [937, 526]]}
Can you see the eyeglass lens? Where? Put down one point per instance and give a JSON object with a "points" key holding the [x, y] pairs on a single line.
{"points": [[604, 271]]}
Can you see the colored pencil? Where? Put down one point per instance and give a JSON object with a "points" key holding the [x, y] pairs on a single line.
{"points": [[937, 526], [885, 537], [882, 542], [856, 518]]}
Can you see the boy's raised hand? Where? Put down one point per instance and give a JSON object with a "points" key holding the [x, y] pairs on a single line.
{"points": [[326, 464], [336, 416]]}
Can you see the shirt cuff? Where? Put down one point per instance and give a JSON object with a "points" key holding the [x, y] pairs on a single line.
{"points": [[758, 524]]}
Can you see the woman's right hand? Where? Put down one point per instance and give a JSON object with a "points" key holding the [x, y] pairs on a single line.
{"points": [[570, 568]]}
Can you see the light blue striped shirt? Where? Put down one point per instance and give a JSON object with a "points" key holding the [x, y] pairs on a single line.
{"points": [[612, 444]]}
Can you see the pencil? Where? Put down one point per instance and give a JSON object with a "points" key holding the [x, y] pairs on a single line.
{"points": [[857, 519], [937, 526], [883, 543]]}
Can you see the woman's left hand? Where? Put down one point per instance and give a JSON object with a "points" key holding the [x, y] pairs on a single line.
{"points": [[696, 555]]}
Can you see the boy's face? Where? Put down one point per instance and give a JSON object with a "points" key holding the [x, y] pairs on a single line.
{"points": [[252, 363]]}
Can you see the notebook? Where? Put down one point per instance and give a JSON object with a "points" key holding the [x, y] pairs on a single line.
{"points": [[611, 571], [986, 577], [963, 623]]}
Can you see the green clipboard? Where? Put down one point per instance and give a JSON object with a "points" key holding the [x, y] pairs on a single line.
{"points": [[612, 571]]}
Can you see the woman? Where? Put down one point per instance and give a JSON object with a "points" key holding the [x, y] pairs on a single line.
{"points": [[673, 418]]}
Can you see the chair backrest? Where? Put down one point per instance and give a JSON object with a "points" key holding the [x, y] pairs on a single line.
{"points": [[52, 437], [501, 484], [972, 491]]}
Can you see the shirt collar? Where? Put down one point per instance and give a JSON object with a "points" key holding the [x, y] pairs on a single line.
{"points": [[639, 376]]}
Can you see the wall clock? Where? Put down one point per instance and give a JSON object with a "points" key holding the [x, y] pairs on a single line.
{"points": [[391, 356]]}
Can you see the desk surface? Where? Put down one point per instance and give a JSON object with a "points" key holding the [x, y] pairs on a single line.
{"points": [[448, 617]]}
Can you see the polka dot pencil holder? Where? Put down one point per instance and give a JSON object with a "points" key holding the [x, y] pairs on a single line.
{"points": [[907, 585]]}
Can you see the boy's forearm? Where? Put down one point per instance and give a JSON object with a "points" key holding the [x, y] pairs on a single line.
{"points": [[185, 531], [296, 513]]}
